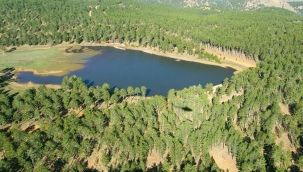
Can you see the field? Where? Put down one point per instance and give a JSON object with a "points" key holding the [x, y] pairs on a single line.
{"points": [[45, 60]]}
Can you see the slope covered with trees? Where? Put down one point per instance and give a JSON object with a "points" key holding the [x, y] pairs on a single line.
{"points": [[45, 129], [186, 29], [227, 4]]}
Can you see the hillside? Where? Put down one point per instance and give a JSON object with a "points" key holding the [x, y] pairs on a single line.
{"points": [[297, 5], [228, 4], [251, 122]]}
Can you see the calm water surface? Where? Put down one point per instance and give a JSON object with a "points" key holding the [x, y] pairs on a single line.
{"points": [[123, 68]]}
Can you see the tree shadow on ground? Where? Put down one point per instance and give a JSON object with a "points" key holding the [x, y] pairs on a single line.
{"points": [[12, 49]]}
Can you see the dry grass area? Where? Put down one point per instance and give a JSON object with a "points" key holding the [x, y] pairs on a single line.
{"points": [[27, 124], [79, 112], [30, 125], [133, 99], [228, 60], [32, 85], [15, 87], [223, 159], [55, 72], [285, 140], [237, 127], [34, 128], [210, 96], [284, 109], [1, 155], [153, 159], [226, 98], [2, 127], [94, 161]]}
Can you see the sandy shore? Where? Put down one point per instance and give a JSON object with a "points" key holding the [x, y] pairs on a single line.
{"points": [[58, 72], [228, 62], [31, 84]]}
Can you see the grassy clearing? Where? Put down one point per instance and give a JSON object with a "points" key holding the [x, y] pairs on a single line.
{"points": [[25, 58], [46, 60]]}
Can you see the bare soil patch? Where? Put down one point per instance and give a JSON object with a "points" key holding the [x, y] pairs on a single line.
{"points": [[1, 155], [223, 159], [237, 63], [32, 85], [30, 125], [226, 98], [133, 99], [153, 159], [2, 127], [94, 161], [285, 140], [40, 73], [79, 112], [284, 109]]}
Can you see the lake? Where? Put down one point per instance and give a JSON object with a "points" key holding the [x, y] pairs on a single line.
{"points": [[123, 68]]}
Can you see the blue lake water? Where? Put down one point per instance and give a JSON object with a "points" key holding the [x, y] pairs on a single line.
{"points": [[123, 68]]}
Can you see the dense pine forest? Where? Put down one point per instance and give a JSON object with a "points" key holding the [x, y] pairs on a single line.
{"points": [[257, 114]]}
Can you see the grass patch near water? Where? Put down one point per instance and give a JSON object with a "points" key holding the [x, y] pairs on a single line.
{"points": [[46, 60]]}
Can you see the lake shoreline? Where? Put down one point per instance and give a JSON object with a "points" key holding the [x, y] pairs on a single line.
{"points": [[177, 57], [227, 61]]}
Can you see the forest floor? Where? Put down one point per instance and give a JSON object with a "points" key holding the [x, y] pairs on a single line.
{"points": [[239, 64], [95, 159], [287, 146], [223, 159], [154, 158], [15, 87]]}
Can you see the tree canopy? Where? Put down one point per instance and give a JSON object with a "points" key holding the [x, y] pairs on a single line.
{"points": [[257, 113]]}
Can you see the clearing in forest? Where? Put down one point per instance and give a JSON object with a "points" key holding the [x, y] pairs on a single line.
{"points": [[153, 159], [94, 161], [286, 142], [223, 159]]}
